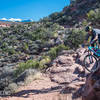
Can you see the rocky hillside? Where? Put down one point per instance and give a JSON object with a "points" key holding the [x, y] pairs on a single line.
{"points": [[32, 45], [75, 14]]}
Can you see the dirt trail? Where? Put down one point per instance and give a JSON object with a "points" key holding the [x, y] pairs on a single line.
{"points": [[41, 89], [63, 81]]}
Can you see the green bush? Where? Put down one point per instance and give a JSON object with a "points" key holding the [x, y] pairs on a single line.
{"points": [[85, 23], [40, 33], [94, 15], [25, 46], [75, 38], [1, 31], [26, 65], [32, 64], [11, 51], [7, 49], [44, 61], [91, 14], [53, 53], [4, 45]]}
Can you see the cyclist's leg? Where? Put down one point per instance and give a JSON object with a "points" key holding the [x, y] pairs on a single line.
{"points": [[99, 40], [91, 41], [92, 45]]}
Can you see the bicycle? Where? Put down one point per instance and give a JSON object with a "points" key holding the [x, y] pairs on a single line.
{"points": [[91, 59]]}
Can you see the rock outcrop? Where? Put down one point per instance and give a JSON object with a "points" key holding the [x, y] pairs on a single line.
{"points": [[92, 87], [66, 71]]}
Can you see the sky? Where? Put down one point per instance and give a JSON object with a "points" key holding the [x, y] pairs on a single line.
{"points": [[30, 9]]}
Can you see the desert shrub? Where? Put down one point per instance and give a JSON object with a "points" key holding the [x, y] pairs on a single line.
{"points": [[1, 31], [53, 53], [94, 15], [25, 46], [44, 61], [11, 51], [75, 38], [85, 23], [55, 27], [8, 50], [4, 45], [91, 14], [26, 65], [36, 64], [54, 15]]}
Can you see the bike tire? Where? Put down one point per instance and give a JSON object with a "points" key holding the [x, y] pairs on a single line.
{"points": [[87, 65]]}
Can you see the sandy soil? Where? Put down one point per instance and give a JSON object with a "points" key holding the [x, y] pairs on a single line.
{"points": [[41, 89]]}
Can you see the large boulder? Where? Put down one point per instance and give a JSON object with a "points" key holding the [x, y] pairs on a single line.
{"points": [[92, 87], [64, 69]]}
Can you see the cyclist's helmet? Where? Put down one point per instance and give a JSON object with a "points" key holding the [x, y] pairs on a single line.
{"points": [[88, 28]]}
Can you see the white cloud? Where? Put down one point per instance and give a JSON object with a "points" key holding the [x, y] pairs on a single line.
{"points": [[14, 19], [31, 19], [4, 19]]}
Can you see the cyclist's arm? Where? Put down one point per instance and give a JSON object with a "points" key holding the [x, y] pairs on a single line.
{"points": [[94, 39], [86, 38]]}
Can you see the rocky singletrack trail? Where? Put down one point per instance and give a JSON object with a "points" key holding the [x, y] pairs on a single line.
{"points": [[64, 80]]}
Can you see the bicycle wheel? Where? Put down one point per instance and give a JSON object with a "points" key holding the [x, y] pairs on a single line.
{"points": [[90, 63]]}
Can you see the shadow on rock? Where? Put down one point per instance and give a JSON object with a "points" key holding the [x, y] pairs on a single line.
{"points": [[26, 93]]}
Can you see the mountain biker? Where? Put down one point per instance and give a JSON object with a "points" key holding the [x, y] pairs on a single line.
{"points": [[94, 34]]}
